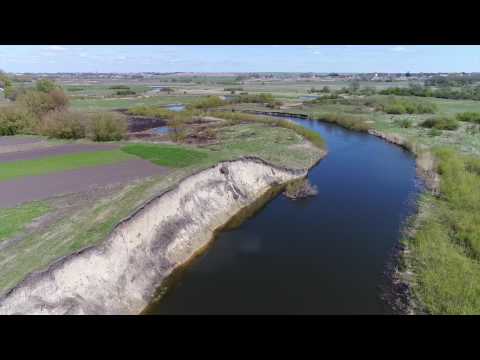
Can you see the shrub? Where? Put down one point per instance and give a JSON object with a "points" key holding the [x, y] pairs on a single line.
{"points": [[46, 86], [394, 105], [351, 122], [107, 126], [125, 92], [404, 123], [75, 88], [59, 98], [119, 87], [395, 108], [177, 127], [441, 123], [152, 111], [13, 94], [39, 103], [209, 102], [299, 189], [254, 98], [472, 117], [15, 120], [63, 124]]}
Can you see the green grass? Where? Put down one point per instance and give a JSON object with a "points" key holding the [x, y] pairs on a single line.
{"points": [[165, 155], [352, 122], [14, 220], [58, 163], [236, 118], [446, 246], [90, 223], [111, 104]]}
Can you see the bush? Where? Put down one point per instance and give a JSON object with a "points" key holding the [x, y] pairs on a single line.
{"points": [[46, 86], [119, 87], [152, 111], [351, 122], [107, 126], [404, 123], [395, 108], [254, 98], [394, 105], [59, 98], [299, 189], [75, 88], [209, 102], [15, 120], [125, 92], [440, 123], [36, 102], [62, 124], [177, 127], [40, 103], [472, 117], [13, 94]]}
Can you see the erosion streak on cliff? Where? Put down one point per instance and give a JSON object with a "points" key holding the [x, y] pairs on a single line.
{"points": [[120, 275]]}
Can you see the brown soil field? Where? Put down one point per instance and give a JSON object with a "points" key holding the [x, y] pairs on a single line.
{"points": [[15, 192], [53, 150]]}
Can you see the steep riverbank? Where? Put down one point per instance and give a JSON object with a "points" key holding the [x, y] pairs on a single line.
{"points": [[121, 275]]}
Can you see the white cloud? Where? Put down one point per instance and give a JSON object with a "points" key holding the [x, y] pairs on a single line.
{"points": [[316, 52], [398, 48], [56, 48]]}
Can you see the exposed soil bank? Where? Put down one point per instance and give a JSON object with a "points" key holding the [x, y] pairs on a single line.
{"points": [[120, 275]]}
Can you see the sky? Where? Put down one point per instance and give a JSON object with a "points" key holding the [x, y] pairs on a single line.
{"points": [[239, 58]]}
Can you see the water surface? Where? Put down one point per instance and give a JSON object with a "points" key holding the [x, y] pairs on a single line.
{"points": [[322, 255]]}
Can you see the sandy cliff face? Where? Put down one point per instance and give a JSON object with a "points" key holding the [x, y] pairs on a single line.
{"points": [[120, 275]]}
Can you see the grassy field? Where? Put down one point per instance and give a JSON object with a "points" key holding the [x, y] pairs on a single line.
{"points": [[166, 155], [125, 103], [58, 163], [445, 249], [80, 226], [14, 220]]}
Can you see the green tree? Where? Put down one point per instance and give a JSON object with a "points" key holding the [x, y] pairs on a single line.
{"points": [[46, 86]]}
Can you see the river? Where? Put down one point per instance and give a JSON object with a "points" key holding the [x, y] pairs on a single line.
{"points": [[321, 255]]}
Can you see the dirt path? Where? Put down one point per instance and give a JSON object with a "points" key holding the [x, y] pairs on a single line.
{"points": [[33, 188], [54, 150], [16, 140]]}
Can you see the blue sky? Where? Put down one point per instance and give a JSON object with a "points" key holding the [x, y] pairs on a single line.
{"points": [[239, 58]]}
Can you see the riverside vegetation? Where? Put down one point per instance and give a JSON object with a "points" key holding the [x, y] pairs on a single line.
{"points": [[56, 227], [441, 117], [442, 246]]}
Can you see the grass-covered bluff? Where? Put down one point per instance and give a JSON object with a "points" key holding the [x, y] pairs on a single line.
{"points": [[66, 226]]}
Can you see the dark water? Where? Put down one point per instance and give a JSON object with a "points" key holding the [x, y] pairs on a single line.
{"points": [[322, 255]]}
